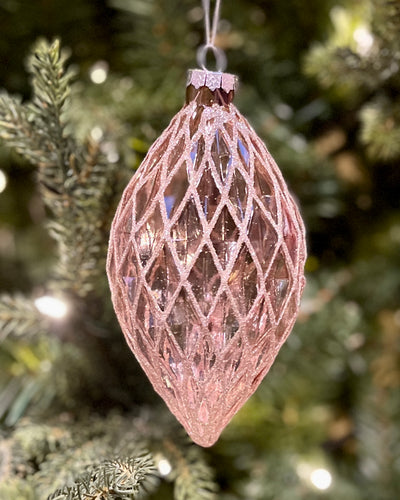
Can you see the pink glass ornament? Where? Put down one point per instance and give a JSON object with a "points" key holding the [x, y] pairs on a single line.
{"points": [[206, 260]]}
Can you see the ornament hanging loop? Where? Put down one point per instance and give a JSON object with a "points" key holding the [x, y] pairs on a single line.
{"points": [[211, 32], [219, 54]]}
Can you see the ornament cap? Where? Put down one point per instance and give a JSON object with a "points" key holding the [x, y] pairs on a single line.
{"points": [[213, 80]]}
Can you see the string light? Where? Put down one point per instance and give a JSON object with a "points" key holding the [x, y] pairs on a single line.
{"points": [[3, 181], [98, 72], [96, 133], [164, 467], [364, 39], [321, 479], [109, 149], [316, 477], [51, 306]]}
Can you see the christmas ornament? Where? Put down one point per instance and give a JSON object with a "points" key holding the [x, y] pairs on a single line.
{"points": [[206, 259]]}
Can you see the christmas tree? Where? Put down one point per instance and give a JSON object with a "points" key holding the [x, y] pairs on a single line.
{"points": [[79, 420]]}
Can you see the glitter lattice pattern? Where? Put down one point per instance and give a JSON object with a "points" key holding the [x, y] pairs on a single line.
{"points": [[206, 265]]}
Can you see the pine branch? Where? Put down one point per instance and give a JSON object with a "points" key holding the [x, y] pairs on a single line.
{"points": [[117, 479], [36, 130], [379, 412], [51, 87], [193, 477], [17, 488], [65, 459], [76, 180], [379, 439], [368, 77], [380, 130], [17, 131], [81, 224], [386, 20], [19, 317], [112, 451], [351, 70]]}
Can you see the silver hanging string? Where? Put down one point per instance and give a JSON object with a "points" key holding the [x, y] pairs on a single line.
{"points": [[211, 33]]}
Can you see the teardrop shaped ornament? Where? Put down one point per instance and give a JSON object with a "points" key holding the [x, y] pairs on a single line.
{"points": [[206, 260]]}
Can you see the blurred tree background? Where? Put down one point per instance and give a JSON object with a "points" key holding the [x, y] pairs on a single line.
{"points": [[320, 83]]}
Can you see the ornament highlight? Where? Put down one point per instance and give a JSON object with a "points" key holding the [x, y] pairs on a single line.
{"points": [[206, 260]]}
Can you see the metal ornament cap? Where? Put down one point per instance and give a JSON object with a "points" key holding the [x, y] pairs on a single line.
{"points": [[212, 80], [206, 260]]}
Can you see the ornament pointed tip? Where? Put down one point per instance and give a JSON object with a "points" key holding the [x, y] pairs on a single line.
{"points": [[206, 440], [204, 433]]}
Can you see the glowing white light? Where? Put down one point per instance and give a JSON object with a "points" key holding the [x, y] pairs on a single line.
{"points": [[99, 72], [45, 366], [283, 111], [51, 306], [321, 479], [164, 467], [364, 39], [3, 181], [96, 133], [112, 156], [110, 151], [298, 143]]}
